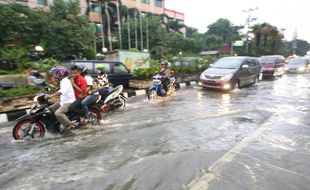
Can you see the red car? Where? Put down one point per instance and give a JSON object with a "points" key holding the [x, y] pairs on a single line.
{"points": [[273, 65]]}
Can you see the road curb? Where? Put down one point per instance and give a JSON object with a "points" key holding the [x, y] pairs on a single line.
{"points": [[11, 116]]}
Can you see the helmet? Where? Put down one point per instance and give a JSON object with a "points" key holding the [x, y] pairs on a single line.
{"points": [[100, 67], [59, 72]]}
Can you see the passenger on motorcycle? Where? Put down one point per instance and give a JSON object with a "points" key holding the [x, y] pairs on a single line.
{"points": [[102, 80], [80, 86], [90, 98], [102, 76], [165, 72], [66, 94]]}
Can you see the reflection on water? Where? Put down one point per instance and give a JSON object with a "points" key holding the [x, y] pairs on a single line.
{"points": [[225, 103]]}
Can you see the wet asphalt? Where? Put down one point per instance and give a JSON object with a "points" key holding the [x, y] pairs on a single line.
{"points": [[253, 138]]}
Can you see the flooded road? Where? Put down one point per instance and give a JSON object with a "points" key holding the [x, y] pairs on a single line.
{"points": [[253, 138]]}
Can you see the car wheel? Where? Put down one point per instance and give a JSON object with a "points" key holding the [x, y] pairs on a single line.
{"points": [[237, 85]]}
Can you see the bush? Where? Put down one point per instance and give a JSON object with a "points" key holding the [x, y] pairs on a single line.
{"points": [[19, 91], [146, 73], [43, 66]]}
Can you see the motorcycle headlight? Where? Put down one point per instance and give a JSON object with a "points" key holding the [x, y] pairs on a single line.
{"points": [[35, 99], [227, 77]]}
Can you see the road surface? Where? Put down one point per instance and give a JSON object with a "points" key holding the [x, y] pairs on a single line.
{"points": [[253, 138]]}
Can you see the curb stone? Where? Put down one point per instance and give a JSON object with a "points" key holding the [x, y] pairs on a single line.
{"points": [[11, 116]]}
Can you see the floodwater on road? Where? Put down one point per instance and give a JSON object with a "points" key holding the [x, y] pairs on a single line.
{"points": [[252, 138]]}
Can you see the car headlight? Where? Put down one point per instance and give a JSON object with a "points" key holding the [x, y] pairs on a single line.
{"points": [[286, 69], [202, 76], [227, 77], [301, 69]]}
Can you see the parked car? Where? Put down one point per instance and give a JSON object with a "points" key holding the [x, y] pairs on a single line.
{"points": [[117, 72], [300, 65], [230, 72], [273, 65]]}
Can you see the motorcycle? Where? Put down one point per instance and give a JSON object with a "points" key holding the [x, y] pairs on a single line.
{"points": [[157, 89], [110, 99], [41, 119]]}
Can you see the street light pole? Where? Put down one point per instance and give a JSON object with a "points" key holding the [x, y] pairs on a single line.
{"points": [[249, 19], [101, 19]]}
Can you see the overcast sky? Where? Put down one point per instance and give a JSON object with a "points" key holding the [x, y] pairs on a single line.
{"points": [[287, 14]]}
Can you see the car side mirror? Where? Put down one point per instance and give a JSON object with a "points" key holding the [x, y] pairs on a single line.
{"points": [[245, 66]]}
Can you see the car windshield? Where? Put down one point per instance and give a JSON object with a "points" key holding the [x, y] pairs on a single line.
{"points": [[297, 62], [227, 64], [267, 60]]}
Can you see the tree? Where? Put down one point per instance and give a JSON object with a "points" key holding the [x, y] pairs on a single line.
{"points": [[224, 29], [302, 47], [61, 32]]}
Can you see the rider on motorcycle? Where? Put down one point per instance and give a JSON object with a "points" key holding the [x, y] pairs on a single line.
{"points": [[165, 72], [90, 98], [66, 94], [80, 86]]}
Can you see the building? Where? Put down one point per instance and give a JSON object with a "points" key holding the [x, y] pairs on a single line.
{"points": [[155, 7]]}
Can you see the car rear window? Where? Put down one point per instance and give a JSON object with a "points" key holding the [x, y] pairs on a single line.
{"points": [[268, 60], [297, 62], [88, 65], [107, 66]]}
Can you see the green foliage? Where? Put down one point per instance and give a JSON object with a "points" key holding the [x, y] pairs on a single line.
{"points": [[163, 44], [17, 55], [20, 91], [43, 66], [146, 73], [61, 31]]}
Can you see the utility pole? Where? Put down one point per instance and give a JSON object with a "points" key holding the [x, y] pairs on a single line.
{"points": [[141, 31], [128, 30], [294, 45], [147, 34], [136, 30], [119, 25], [249, 19]]}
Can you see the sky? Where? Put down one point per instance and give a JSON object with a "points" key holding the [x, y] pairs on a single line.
{"points": [[290, 15]]}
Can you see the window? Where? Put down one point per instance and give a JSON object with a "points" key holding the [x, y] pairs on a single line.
{"points": [[158, 3], [94, 8], [107, 66], [88, 65], [22, 0], [42, 2], [145, 1], [120, 68]]}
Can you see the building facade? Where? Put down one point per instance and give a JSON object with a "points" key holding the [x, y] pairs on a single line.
{"points": [[91, 8]]}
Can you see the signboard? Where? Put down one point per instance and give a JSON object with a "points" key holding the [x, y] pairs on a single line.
{"points": [[238, 43], [132, 60], [135, 60]]}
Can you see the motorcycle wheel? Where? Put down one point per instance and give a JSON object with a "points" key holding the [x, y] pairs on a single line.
{"points": [[123, 101], [152, 95], [94, 116], [21, 129]]}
